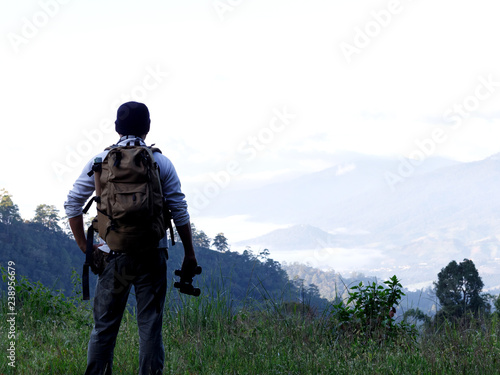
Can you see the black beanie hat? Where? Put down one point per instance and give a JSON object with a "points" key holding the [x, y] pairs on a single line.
{"points": [[132, 118]]}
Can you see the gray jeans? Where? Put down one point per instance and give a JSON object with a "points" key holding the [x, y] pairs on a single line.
{"points": [[147, 273]]}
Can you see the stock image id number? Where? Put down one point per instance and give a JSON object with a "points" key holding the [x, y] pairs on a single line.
{"points": [[11, 293]]}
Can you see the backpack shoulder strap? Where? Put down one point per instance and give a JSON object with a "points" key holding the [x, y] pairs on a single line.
{"points": [[111, 147], [88, 260], [154, 149]]}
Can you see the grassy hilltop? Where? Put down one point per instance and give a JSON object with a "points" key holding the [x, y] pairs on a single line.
{"points": [[250, 319], [206, 336]]}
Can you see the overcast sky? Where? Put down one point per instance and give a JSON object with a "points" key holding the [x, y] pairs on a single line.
{"points": [[253, 89]]}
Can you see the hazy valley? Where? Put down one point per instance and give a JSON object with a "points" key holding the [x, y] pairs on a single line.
{"points": [[381, 217]]}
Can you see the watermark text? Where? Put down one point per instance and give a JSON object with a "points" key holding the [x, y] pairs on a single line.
{"points": [[249, 149], [454, 116], [31, 26], [11, 314]]}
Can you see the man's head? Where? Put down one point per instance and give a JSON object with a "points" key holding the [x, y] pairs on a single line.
{"points": [[132, 118]]}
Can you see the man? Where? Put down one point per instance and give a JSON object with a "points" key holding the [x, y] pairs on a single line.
{"points": [[146, 270]]}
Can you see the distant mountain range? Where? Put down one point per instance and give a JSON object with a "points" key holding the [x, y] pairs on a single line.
{"points": [[349, 217]]}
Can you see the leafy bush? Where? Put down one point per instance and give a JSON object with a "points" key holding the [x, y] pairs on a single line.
{"points": [[41, 302], [366, 314]]}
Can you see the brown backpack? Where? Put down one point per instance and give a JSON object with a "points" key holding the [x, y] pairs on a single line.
{"points": [[130, 204], [131, 213]]}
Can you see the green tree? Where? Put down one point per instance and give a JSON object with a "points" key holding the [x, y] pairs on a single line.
{"points": [[201, 239], [459, 288], [248, 253], [9, 212], [48, 216], [220, 242], [497, 305], [263, 255], [313, 291]]}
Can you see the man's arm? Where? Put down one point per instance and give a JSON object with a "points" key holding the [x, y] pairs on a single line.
{"points": [[186, 236], [76, 225], [82, 190]]}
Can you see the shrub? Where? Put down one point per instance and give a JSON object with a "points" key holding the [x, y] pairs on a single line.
{"points": [[366, 314]]}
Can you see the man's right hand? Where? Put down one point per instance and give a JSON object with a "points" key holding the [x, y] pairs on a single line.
{"points": [[189, 264]]}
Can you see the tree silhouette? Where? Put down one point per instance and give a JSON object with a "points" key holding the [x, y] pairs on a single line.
{"points": [[48, 216], [220, 242], [201, 239], [9, 212], [459, 288], [264, 254]]}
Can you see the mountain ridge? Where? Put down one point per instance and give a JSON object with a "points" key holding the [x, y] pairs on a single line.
{"points": [[449, 212]]}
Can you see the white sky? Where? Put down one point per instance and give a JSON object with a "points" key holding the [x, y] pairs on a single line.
{"points": [[214, 73]]}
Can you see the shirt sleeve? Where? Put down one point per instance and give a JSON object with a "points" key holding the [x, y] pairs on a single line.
{"points": [[171, 185], [82, 190]]}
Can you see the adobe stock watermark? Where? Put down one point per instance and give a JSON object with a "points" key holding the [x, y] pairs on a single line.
{"points": [[363, 36], [77, 155], [31, 26], [248, 149], [455, 115], [11, 313], [222, 7]]}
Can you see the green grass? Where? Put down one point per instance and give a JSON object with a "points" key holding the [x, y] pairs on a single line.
{"points": [[203, 336]]}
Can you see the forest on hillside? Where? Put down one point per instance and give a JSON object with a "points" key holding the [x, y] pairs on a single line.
{"points": [[44, 251]]}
